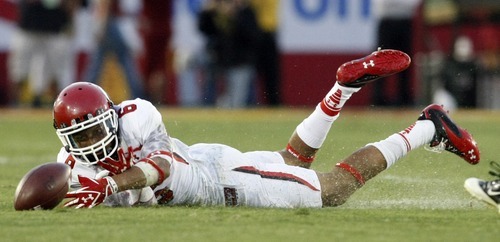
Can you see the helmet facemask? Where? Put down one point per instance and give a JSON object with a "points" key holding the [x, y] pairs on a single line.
{"points": [[105, 123]]}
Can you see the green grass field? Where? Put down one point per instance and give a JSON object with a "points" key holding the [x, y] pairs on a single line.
{"points": [[421, 198]]}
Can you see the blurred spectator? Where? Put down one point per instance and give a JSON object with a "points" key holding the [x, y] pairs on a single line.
{"points": [[116, 32], [268, 56], [489, 61], [460, 73], [394, 31], [41, 50], [8, 17], [157, 31], [189, 54], [232, 36]]}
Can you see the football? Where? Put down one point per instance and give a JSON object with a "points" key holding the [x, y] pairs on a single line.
{"points": [[43, 187]]}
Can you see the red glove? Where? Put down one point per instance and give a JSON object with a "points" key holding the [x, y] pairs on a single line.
{"points": [[92, 193], [118, 166]]}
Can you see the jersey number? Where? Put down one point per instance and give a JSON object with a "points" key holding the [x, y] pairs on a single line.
{"points": [[127, 109]]}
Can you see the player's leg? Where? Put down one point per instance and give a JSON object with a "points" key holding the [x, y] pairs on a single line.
{"points": [[351, 76], [312, 131], [433, 127]]}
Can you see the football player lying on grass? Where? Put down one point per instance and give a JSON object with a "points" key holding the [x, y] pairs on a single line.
{"points": [[121, 155]]}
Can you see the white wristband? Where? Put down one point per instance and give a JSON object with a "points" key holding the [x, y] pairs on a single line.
{"points": [[149, 171], [112, 185]]}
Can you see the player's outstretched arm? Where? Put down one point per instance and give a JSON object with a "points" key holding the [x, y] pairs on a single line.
{"points": [[147, 172]]}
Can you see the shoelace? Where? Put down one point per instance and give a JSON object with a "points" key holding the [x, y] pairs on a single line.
{"points": [[494, 169], [437, 148]]}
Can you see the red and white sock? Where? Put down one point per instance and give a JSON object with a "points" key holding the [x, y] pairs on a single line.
{"points": [[399, 144], [314, 129], [336, 98]]}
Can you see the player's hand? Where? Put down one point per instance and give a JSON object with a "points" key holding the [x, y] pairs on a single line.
{"points": [[115, 167], [92, 193]]}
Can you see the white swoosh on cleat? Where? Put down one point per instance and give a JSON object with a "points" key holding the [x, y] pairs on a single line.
{"points": [[492, 193]]}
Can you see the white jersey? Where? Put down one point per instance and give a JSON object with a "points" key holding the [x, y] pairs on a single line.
{"points": [[202, 174]]}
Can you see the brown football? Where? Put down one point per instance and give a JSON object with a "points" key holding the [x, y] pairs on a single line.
{"points": [[43, 187]]}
